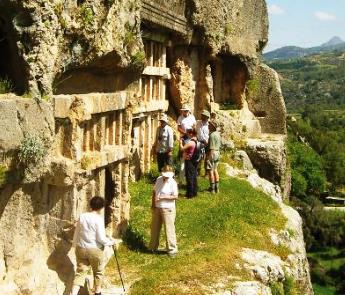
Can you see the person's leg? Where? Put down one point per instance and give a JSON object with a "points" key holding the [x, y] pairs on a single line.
{"points": [[96, 259], [182, 171], [82, 270], [189, 178], [168, 160], [195, 179], [156, 224], [215, 171], [169, 226], [160, 161]]}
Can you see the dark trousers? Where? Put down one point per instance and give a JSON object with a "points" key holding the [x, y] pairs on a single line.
{"points": [[191, 180], [162, 160]]}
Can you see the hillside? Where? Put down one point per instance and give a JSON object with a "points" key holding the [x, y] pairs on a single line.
{"points": [[316, 79], [214, 232], [287, 52]]}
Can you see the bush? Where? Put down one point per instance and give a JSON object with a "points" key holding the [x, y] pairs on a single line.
{"points": [[32, 150], [6, 86], [3, 175]]}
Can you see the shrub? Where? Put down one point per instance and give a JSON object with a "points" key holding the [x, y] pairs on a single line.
{"points": [[277, 288], [6, 86], [138, 59], [87, 15], [32, 150], [85, 162], [3, 175], [253, 87]]}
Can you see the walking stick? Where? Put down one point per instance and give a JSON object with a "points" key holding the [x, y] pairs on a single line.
{"points": [[118, 268]]}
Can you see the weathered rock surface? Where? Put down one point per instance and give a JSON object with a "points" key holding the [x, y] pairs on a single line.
{"points": [[268, 156], [250, 288], [236, 27], [19, 118], [243, 159], [265, 100], [55, 37]]}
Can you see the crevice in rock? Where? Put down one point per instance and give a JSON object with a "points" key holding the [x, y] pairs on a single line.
{"points": [[11, 67]]}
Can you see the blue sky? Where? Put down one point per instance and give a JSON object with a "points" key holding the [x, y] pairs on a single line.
{"points": [[304, 23]]}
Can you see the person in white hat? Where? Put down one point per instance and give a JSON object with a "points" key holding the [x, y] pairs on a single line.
{"points": [[186, 120], [164, 143], [164, 194]]}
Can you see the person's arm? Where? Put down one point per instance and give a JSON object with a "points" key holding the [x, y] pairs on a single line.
{"points": [[179, 126], [100, 234], [181, 130], [173, 193], [186, 146], [170, 141]]}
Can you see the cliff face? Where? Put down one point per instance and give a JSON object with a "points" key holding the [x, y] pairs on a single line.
{"points": [[94, 76], [233, 27]]}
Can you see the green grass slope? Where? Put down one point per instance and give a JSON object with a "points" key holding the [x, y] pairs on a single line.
{"points": [[211, 230]]}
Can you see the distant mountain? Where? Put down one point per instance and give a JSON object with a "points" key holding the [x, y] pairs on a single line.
{"points": [[294, 51], [333, 42]]}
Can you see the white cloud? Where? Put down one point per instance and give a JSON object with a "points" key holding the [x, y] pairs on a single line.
{"points": [[324, 16], [275, 9]]}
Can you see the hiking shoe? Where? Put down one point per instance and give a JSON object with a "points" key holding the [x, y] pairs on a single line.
{"points": [[216, 188]]}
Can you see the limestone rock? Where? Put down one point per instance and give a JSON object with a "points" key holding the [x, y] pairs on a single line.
{"points": [[264, 266], [242, 157], [266, 101], [269, 158], [55, 37], [265, 186], [19, 117], [237, 27], [250, 288]]}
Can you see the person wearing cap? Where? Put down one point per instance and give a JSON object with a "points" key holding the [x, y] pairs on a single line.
{"points": [[213, 155], [203, 133], [184, 122], [164, 194], [164, 143]]}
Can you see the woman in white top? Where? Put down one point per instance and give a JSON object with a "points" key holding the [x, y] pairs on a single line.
{"points": [[89, 240], [164, 194]]}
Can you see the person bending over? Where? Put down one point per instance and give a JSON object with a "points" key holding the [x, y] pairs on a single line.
{"points": [[89, 240]]}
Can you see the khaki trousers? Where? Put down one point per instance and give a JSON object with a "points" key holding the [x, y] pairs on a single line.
{"points": [[167, 217], [87, 257]]}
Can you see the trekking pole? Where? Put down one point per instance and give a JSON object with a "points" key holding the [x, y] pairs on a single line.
{"points": [[118, 268]]}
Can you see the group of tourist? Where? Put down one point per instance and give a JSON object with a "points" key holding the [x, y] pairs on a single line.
{"points": [[193, 135], [89, 237]]}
